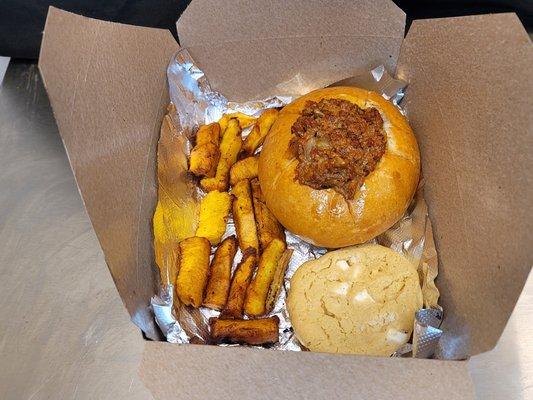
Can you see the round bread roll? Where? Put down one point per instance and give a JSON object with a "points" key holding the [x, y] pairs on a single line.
{"points": [[325, 217], [358, 300]]}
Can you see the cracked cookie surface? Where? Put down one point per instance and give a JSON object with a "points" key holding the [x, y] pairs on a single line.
{"points": [[358, 300]]}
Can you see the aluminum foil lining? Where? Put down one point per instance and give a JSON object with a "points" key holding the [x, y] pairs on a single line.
{"points": [[197, 104], [426, 333]]}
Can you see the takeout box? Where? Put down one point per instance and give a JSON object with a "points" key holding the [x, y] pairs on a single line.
{"points": [[468, 101]]}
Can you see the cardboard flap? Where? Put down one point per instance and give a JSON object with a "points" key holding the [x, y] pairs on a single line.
{"points": [[208, 372], [107, 87], [253, 49], [470, 102]]}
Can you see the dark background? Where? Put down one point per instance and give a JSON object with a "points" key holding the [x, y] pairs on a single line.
{"points": [[22, 21]]}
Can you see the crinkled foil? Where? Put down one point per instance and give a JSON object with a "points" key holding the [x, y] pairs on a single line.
{"points": [[196, 104], [426, 333]]}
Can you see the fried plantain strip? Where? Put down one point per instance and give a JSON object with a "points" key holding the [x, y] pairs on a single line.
{"points": [[243, 169], [259, 131], [243, 215], [239, 284], [252, 331], [275, 286], [256, 295], [218, 285], [230, 146], [206, 153], [214, 212], [244, 120], [193, 260], [268, 226]]}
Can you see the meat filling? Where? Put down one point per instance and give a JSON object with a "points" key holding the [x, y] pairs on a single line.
{"points": [[337, 145]]}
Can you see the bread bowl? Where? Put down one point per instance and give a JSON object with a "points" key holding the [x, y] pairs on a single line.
{"points": [[328, 208]]}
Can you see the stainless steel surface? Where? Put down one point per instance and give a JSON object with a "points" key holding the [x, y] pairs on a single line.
{"points": [[506, 372], [4, 62], [64, 333]]}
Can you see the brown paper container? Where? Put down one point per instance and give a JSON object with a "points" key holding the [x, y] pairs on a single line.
{"points": [[469, 102]]}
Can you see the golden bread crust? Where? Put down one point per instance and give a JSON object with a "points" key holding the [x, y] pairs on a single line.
{"points": [[324, 217]]}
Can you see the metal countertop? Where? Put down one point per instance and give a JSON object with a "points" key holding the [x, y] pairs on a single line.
{"points": [[64, 333]]}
